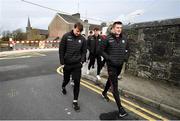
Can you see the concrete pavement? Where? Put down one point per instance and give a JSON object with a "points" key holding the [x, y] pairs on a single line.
{"points": [[158, 94]]}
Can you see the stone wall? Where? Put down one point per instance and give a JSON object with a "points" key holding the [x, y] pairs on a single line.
{"points": [[155, 50]]}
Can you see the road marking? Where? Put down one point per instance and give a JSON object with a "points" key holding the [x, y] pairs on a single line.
{"points": [[12, 67], [9, 58], [69, 113], [12, 93], [99, 91], [128, 102], [126, 106], [22, 55], [40, 54]]}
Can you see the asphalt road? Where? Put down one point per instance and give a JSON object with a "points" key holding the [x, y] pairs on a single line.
{"points": [[30, 89]]}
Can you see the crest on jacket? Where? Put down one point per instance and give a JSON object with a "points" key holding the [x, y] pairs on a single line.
{"points": [[79, 41]]}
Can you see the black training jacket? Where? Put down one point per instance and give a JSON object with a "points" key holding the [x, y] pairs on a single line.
{"points": [[72, 49], [93, 43], [114, 50]]}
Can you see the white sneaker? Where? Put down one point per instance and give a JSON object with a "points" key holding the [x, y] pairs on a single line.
{"points": [[87, 72], [72, 83], [98, 77], [119, 77]]}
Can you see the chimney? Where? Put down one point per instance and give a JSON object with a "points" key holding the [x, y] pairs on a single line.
{"points": [[85, 21], [77, 15]]}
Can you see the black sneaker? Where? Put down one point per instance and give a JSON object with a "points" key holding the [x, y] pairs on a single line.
{"points": [[64, 90], [122, 112], [76, 106], [104, 95]]}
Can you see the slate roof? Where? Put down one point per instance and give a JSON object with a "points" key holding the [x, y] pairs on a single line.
{"points": [[42, 31], [92, 26], [69, 18]]}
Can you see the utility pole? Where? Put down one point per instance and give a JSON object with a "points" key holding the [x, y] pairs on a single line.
{"points": [[78, 7]]}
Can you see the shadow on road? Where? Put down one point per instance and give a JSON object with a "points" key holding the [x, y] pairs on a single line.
{"points": [[114, 116]]}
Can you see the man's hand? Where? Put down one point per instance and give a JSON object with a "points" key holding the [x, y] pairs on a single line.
{"points": [[62, 66], [102, 58]]}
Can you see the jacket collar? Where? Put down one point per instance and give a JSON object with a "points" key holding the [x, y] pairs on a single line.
{"points": [[96, 37], [72, 33], [114, 36]]}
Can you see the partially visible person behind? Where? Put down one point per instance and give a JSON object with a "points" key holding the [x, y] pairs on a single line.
{"points": [[114, 49], [72, 53], [88, 38], [93, 46], [90, 34]]}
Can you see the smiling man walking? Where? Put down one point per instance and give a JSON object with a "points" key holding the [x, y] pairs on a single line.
{"points": [[114, 50]]}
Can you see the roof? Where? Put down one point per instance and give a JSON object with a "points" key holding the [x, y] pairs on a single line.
{"points": [[43, 32], [92, 26], [52, 38], [166, 22], [70, 18]]}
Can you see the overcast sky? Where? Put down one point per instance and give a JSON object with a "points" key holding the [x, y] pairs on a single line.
{"points": [[14, 13]]}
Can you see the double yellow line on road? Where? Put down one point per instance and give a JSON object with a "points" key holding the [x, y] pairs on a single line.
{"points": [[142, 112]]}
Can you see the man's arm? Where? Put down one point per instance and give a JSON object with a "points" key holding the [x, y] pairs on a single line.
{"points": [[62, 49], [88, 43], [127, 51], [83, 51], [103, 47]]}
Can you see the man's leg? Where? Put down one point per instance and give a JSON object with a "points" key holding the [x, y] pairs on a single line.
{"points": [[66, 78], [76, 74], [104, 93], [91, 62], [121, 71], [108, 85], [114, 84], [99, 65]]}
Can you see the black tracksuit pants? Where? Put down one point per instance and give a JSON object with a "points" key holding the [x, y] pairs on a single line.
{"points": [[113, 73], [75, 71], [92, 58]]}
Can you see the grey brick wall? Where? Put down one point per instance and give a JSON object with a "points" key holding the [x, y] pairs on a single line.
{"points": [[155, 50]]}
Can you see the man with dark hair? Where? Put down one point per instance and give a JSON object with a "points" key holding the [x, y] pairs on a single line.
{"points": [[90, 33], [114, 50], [72, 52], [93, 46]]}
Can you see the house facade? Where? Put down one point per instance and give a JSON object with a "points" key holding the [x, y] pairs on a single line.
{"points": [[62, 23]]}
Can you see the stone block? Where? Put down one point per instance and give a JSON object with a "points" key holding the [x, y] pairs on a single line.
{"points": [[160, 74], [175, 78], [175, 68], [162, 51], [175, 58], [145, 59], [144, 74]]}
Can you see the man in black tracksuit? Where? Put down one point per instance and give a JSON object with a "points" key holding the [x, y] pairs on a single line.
{"points": [[72, 53], [93, 43], [114, 50], [88, 38]]}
